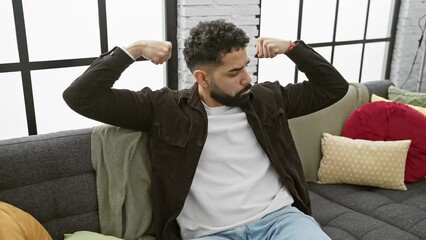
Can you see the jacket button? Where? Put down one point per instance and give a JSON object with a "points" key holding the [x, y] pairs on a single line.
{"points": [[167, 138], [199, 143]]}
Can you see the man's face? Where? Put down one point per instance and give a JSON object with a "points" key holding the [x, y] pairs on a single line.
{"points": [[230, 82]]}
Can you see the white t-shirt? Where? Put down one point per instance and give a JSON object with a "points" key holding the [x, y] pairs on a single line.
{"points": [[234, 183]]}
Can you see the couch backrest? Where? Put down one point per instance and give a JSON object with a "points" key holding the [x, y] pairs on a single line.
{"points": [[380, 87], [307, 130], [51, 177]]}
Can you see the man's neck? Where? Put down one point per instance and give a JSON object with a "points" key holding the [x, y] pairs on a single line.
{"points": [[207, 99]]}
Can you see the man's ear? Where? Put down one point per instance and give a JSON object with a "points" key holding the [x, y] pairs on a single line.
{"points": [[201, 77]]}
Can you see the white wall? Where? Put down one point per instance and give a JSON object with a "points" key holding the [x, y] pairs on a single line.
{"points": [[407, 40], [280, 18], [241, 13]]}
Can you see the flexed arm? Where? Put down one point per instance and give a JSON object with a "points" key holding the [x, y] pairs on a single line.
{"points": [[325, 86], [92, 95]]}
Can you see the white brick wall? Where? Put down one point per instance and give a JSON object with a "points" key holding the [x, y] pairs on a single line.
{"points": [[407, 35], [241, 12]]}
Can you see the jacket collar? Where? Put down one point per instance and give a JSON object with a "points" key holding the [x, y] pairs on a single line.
{"points": [[193, 97]]}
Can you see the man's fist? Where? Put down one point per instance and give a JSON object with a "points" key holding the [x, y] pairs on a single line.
{"points": [[271, 47], [156, 51]]}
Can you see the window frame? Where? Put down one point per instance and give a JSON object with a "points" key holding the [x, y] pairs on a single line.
{"points": [[24, 66], [363, 41]]}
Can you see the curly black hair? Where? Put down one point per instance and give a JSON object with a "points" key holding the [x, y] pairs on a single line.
{"points": [[209, 40]]}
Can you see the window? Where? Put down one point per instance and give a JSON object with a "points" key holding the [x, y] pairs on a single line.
{"points": [[46, 44], [12, 107], [356, 36]]}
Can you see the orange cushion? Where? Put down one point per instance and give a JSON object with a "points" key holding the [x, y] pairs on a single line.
{"points": [[16, 224]]}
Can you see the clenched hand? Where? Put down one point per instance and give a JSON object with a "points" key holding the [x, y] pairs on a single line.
{"points": [[271, 47], [157, 52]]}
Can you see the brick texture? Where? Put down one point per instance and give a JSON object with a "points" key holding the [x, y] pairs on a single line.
{"points": [[241, 13], [407, 39]]}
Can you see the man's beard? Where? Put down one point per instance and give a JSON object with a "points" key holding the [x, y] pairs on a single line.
{"points": [[226, 99]]}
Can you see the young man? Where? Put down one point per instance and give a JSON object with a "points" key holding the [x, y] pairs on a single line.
{"points": [[224, 162]]}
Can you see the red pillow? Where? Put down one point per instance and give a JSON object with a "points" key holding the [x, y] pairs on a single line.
{"points": [[390, 121]]}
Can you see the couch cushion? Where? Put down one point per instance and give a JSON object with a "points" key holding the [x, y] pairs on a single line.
{"points": [[375, 98], [86, 235], [363, 162], [50, 176], [401, 95], [389, 121], [359, 212], [307, 130], [380, 87], [18, 225]]}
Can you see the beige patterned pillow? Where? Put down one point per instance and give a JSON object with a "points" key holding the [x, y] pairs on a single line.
{"points": [[375, 98], [363, 162]]}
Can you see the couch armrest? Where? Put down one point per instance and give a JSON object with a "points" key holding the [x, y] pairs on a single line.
{"points": [[379, 87]]}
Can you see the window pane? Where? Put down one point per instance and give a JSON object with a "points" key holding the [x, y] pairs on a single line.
{"points": [[379, 21], [8, 44], [129, 24], [347, 60], [52, 113], [278, 25], [374, 61], [61, 29], [140, 75], [13, 120], [318, 20], [279, 68], [351, 20], [126, 25]]}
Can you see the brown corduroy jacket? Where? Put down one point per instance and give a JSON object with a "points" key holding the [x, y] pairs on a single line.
{"points": [[177, 124]]}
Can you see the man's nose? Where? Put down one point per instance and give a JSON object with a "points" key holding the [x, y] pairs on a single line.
{"points": [[246, 77]]}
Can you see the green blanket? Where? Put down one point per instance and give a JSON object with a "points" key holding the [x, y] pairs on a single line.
{"points": [[120, 158]]}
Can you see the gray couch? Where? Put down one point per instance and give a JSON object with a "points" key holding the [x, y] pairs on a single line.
{"points": [[51, 177], [349, 212]]}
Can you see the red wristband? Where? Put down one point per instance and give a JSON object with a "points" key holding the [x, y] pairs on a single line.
{"points": [[289, 48]]}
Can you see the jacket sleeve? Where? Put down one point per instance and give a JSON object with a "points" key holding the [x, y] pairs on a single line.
{"points": [[325, 86], [92, 95]]}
